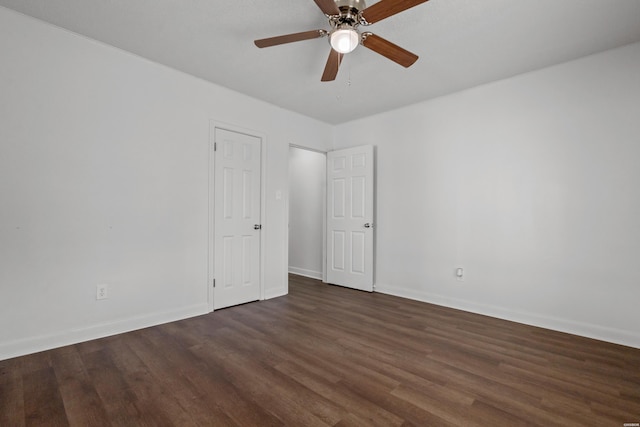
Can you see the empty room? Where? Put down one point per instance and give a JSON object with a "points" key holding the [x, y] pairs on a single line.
{"points": [[319, 213]]}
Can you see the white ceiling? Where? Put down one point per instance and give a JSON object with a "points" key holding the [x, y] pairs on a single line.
{"points": [[461, 44]]}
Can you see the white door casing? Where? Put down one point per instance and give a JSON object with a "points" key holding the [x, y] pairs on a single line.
{"points": [[237, 218], [350, 192]]}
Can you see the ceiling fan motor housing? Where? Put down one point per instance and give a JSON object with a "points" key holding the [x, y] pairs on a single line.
{"points": [[358, 5], [349, 12]]}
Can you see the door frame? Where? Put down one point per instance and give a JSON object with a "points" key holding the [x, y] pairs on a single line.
{"points": [[213, 125]]}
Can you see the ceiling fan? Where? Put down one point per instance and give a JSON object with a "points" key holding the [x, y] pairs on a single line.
{"points": [[345, 16]]}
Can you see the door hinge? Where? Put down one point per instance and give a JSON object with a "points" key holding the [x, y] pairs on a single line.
{"points": [[215, 146], [214, 283]]}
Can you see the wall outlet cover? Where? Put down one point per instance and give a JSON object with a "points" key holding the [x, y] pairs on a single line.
{"points": [[101, 292]]}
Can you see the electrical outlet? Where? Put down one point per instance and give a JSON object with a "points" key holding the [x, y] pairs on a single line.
{"points": [[101, 291], [460, 274]]}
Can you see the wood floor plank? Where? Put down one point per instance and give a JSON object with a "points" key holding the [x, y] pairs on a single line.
{"points": [[355, 406], [326, 355], [82, 404], [455, 411], [180, 373], [11, 395], [43, 405], [137, 359], [119, 400]]}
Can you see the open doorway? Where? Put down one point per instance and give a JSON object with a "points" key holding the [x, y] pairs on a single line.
{"points": [[307, 200]]}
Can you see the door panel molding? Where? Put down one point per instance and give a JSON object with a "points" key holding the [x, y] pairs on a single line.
{"points": [[350, 215]]}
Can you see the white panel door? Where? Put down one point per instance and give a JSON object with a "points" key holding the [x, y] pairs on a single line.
{"points": [[350, 217], [237, 219]]}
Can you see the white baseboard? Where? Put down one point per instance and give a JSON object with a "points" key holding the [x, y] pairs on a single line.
{"points": [[36, 344], [306, 273], [616, 336]]}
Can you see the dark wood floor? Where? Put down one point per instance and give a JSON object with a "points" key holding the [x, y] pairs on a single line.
{"points": [[325, 355]]}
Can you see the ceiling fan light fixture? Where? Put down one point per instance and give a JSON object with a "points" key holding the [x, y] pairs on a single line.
{"points": [[345, 19], [344, 40]]}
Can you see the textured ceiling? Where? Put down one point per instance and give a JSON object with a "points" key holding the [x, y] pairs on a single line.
{"points": [[461, 44]]}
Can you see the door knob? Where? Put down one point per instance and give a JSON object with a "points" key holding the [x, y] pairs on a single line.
{"points": [[367, 225], [257, 227]]}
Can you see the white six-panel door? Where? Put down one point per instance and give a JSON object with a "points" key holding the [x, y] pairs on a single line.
{"points": [[236, 218], [350, 217]]}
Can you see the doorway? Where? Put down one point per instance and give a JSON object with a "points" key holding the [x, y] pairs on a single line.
{"points": [[307, 200], [331, 208]]}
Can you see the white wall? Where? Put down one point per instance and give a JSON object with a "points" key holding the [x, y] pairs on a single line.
{"points": [[530, 184], [104, 179], [307, 180]]}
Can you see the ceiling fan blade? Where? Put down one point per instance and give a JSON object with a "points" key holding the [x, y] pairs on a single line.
{"points": [[386, 8], [389, 50], [328, 7], [333, 64], [290, 38]]}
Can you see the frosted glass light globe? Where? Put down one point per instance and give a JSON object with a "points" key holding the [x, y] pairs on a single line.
{"points": [[344, 41]]}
